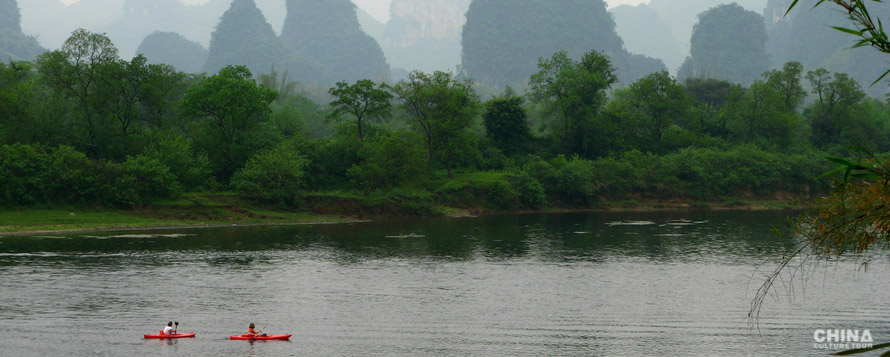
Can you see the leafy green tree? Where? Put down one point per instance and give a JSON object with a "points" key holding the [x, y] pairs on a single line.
{"points": [[837, 99], [787, 82], [160, 94], [391, 161], [443, 109], [662, 103], [758, 115], [573, 93], [362, 101], [74, 72], [275, 175], [506, 125], [234, 106], [729, 43], [708, 97], [120, 83], [191, 170]]}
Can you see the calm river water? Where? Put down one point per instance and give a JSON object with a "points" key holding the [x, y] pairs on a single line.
{"points": [[586, 284]]}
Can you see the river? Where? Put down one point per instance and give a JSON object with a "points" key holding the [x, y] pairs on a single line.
{"points": [[567, 284]]}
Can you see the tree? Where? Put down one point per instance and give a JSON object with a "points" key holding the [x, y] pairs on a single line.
{"points": [[273, 175], [234, 105], [758, 113], [506, 125], [855, 218], [362, 101], [391, 161], [573, 93], [787, 82], [442, 108], [74, 73], [662, 103], [837, 100]]}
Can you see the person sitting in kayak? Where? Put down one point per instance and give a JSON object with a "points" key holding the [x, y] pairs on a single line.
{"points": [[253, 332], [169, 330]]}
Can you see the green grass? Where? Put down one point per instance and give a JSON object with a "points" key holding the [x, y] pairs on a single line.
{"points": [[189, 210], [29, 219]]}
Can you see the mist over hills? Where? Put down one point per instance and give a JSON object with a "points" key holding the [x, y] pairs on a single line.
{"points": [[15, 45], [174, 49], [662, 28], [503, 39], [805, 36], [427, 34], [656, 39], [328, 33]]}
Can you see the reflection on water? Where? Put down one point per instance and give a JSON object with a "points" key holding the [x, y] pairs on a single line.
{"points": [[669, 283]]}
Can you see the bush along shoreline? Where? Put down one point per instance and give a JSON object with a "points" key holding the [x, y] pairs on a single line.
{"points": [[142, 192]]}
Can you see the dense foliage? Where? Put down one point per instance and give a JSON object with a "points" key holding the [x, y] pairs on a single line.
{"points": [[728, 42], [503, 39], [83, 126]]}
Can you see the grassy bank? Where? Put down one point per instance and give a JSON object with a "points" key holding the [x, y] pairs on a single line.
{"points": [[472, 194], [192, 210]]}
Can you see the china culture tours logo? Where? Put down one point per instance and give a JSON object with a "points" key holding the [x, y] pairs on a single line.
{"points": [[842, 339]]}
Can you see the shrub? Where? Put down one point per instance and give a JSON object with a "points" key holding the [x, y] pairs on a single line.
{"points": [[392, 161], [22, 169], [191, 170], [272, 175], [531, 192], [575, 181]]}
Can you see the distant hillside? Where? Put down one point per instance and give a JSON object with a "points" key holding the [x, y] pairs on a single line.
{"points": [[14, 45], [503, 39], [370, 25], [243, 37], [644, 32], [127, 22], [681, 15], [728, 43], [328, 32], [425, 34], [805, 35], [174, 49]]}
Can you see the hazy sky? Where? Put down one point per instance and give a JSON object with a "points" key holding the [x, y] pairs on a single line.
{"points": [[379, 9]]}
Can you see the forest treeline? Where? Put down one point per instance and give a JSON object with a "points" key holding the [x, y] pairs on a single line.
{"points": [[83, 126]]}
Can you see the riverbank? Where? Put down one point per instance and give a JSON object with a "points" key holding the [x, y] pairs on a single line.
{"points": [[217, 210]]}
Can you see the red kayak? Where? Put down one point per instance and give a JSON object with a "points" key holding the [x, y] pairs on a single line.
{"points": [[261, 338], [175, 335]]}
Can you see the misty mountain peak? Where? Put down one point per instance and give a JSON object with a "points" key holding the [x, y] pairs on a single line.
{"points": [[328, 32], [243, 37], [10, 17]]}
